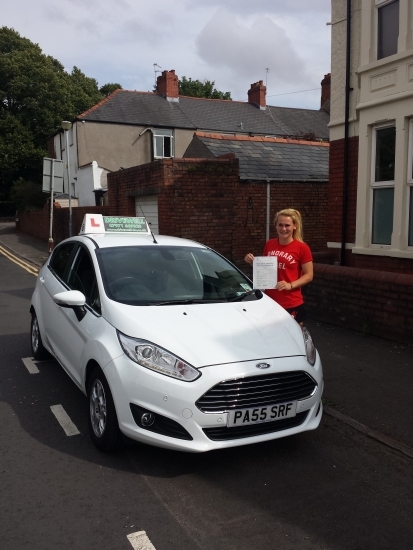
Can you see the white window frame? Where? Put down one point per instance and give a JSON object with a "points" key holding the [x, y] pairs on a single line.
{"points": [[163, 132], [390, 184], [380, 4]]}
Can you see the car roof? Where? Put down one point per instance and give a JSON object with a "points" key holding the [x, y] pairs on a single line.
{"points": [[122, 239]]}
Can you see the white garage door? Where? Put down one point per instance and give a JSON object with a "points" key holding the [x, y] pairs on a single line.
{"points": [[148, 206]]}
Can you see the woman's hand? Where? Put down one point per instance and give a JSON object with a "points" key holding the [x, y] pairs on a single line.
{"points": [[249, 258], [283, 285]]}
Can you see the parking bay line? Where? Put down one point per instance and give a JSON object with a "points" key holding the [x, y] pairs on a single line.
{"points": [[30, 365], [140, 541], [64, 420]]}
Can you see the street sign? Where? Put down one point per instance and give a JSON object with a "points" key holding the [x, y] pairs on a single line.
{"points": [[52, 167]]}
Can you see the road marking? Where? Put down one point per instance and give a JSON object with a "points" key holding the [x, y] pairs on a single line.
{"points": [[140, 541], [29, 364], [21, 263], [64, 420]]}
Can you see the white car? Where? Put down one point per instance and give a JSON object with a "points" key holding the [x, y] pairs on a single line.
{"points": [[171, 343]]}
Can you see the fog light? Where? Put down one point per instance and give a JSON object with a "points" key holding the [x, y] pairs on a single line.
{"points": [[147, 419]]}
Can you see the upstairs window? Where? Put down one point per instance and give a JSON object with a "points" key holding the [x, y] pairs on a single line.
{"points": [[387, 28], [163, 145], [384, 154]]}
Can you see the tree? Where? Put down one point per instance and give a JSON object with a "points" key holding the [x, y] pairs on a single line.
{"points": [[107, 89], [196, 88], [36, 94], [27, 195]]}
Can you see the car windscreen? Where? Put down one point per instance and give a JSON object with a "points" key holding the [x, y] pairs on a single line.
{"points": [[163, 275]]}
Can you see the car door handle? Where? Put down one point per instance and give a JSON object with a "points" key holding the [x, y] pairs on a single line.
{"points": [[41, 279]]}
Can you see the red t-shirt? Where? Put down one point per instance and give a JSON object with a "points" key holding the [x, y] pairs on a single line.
{"points": [[291, 257]]}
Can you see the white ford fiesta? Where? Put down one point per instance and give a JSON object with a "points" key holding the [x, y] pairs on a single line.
{"points": [[170, 342]]}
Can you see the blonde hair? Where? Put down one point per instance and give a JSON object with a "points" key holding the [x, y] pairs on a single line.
{"points": [[295, 218]]}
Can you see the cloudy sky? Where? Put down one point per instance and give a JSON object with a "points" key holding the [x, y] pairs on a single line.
{"points": [[232, 42]]}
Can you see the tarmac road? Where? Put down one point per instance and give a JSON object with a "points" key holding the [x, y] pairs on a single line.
{"points": [[333, 489]]}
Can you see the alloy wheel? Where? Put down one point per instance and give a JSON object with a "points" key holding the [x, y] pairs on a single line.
{"points": [[98, 408]]}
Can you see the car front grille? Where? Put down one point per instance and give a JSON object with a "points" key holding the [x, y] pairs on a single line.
{"points": [[257, 391], [222, 433]]}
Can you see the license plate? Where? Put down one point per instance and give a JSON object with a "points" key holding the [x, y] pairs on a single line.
{"points": [[254, 415]]}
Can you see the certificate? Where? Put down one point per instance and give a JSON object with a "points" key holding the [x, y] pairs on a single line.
{"points": [[264, 272]]}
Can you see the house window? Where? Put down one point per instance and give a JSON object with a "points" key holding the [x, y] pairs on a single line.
{"points": [[163, 145], [387, 28], [384, 152]]}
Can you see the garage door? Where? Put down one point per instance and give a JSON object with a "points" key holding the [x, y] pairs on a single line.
{"points": [[148, 206]]}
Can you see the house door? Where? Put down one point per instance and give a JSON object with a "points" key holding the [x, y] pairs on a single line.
{"points": [[148, 206]]}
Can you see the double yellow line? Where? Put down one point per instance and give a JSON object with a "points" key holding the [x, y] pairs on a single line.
{"points": [[21, 263]]}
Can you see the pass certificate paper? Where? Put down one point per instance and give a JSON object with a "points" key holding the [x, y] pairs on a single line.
{"points": [[264, 272]]}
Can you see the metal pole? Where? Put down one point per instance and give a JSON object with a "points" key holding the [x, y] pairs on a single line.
{"points": [[51, 211], [68, 183]]}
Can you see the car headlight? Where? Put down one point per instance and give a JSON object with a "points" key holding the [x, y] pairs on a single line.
{"points": [[310, 349], [158, 359]]}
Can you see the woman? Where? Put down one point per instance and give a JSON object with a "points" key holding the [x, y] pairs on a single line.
{"points": [[295, 265]]}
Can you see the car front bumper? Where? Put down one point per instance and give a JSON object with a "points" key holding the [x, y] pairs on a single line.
{"points": [[175, 401]]}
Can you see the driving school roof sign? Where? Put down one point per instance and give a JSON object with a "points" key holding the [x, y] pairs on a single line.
{"points": [[98, 224]]}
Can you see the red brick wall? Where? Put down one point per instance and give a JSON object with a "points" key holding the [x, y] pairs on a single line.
{"points": [[335, 190], [380, 263], [203, 200], [374, 302], [38, 223]]}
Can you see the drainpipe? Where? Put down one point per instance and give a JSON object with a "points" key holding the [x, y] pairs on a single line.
{"points": [[346, 138], [267, 231]]}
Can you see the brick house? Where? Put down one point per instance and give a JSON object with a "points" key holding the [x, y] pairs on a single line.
{"points": [[130, 128], [371, 134], [370, 197]]}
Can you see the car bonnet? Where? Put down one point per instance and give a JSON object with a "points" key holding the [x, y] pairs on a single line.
{"points": [[210, 334]]}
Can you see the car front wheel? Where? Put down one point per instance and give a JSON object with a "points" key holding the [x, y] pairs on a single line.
{"points": [[103, 422], [38, 350]]}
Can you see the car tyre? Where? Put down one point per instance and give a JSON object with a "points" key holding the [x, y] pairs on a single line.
{"points": [[39, 352], [103, 421]]}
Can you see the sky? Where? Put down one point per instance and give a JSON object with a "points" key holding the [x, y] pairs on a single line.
{"points": [[284, 43]]}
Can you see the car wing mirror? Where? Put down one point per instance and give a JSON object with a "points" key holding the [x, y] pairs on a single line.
{"points": [[72, 299]]}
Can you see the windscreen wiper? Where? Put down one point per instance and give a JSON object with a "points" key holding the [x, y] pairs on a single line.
{"points": [[173, 302], [245, 294]]}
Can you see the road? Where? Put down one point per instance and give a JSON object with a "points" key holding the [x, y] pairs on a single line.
{"points": [[331, 489]]}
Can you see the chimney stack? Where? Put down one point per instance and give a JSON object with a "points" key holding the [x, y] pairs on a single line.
{"points": [[167, 85], [256, 95], [325, 92]]}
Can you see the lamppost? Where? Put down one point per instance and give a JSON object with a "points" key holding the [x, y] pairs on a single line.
{"points": [[66, 125]]}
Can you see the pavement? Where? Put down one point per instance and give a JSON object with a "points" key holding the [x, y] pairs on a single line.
{"points": [[368, 380]]}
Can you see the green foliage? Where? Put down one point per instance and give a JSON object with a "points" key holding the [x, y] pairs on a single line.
{"points": [[109, 88], [27, 195], [36, 94], [196, 88]]}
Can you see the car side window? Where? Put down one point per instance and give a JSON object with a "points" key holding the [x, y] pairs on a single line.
{"points": [[60, 258], [82, 277]]}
